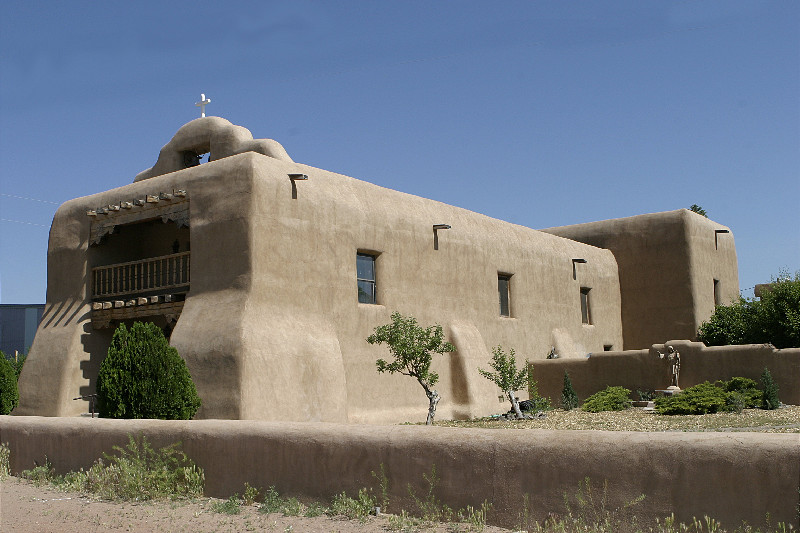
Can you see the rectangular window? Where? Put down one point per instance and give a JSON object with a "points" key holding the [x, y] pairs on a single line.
{"points": [[717, 296], [503, 288], [365, 274], [586, 316]]}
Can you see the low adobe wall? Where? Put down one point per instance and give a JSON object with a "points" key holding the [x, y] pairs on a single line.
{"points": [[643, 370], [689, 474]]}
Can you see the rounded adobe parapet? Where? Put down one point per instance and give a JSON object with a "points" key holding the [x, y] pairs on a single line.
{"points": [[215, 136]]}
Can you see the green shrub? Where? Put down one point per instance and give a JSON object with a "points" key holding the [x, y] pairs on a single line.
{"points": [[733, 395], [769, 398], [569, 399], [9, 394], [746, 388], [144, 377], [698, 400], [610, 399], [774, 319]]}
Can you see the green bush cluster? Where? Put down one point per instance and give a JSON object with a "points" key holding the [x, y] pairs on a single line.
{"points": [[610, 399], [137, 473], [144, 377], [773, 319], [9, 394], [733, 395]]}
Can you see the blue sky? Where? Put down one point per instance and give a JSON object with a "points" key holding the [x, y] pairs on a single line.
{"points": [[539, 113]]}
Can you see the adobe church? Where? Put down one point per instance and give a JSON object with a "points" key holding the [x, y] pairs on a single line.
{"points": [[268, 275]]}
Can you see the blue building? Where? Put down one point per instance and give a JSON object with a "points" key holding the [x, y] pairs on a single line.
{"points": [[18, 323]]}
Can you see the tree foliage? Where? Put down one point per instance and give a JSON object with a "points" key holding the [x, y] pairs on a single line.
{"points": [[144, 377], [506, 375], [413, 348], [694, 208], [774, 319], [9, 394]]}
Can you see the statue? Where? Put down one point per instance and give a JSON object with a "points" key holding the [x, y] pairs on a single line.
{"points": [[674, 358]]}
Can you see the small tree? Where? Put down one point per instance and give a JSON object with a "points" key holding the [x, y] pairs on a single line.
{"points": [[9, 394], [506, 376], [569, 398], [694, 208], [769, 400], [144, 377], [413, 347]]}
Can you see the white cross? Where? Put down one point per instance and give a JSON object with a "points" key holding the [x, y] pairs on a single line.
{"points": [[202, 104]]}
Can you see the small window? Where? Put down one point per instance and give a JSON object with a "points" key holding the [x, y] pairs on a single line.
{"points": [[503, 288], [586, 316], [717, 295], [608, 347], [365, 274]]}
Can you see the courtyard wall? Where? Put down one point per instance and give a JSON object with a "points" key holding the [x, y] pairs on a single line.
{"points": [[688, 474], [643, 370]]}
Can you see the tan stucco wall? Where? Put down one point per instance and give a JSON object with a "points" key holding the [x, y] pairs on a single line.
{"points": [[688, 474], [667, 265], [643, 370], [272, 329]]}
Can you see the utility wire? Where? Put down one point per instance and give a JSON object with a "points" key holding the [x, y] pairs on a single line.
{"points": [[28, 198], [23, 222]]}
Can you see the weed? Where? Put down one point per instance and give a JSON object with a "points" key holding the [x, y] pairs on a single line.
{"points": [[314, 509], [404, 523], [430, 508], [250, 494], [5, 461], [39, 474], [383, 485], [272, 501], [361, 507], [474, 519], [232, 505], [292, 507], [141, 473]]}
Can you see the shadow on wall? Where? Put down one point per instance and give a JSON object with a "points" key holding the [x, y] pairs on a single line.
{"points": [[644, 370]]}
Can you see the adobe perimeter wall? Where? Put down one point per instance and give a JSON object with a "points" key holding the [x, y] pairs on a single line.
{"points": [[643, 370], [689, 474]]}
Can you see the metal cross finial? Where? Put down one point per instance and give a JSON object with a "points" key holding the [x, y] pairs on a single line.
{"points": [[202, 104]]}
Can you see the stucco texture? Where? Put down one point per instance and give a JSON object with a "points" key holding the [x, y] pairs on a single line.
{"points": [[272, 328], [688, 474], [667, 266]]}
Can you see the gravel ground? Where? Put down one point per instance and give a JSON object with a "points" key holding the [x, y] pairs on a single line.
{"points": [[783, 420]]}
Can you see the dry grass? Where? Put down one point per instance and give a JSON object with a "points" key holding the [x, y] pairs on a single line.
{"points": [[784, 420]]}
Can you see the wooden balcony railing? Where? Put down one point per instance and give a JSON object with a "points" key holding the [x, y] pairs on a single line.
{"points": [[140, 277]]}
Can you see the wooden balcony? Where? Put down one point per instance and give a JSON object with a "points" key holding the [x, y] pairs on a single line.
{"points": [[154, 275]]}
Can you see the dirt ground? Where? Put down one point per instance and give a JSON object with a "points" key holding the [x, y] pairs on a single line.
{"points": [[25, 508]]}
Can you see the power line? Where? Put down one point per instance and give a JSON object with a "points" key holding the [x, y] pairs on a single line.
{"points": [[28, 198], [23, 222]]}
